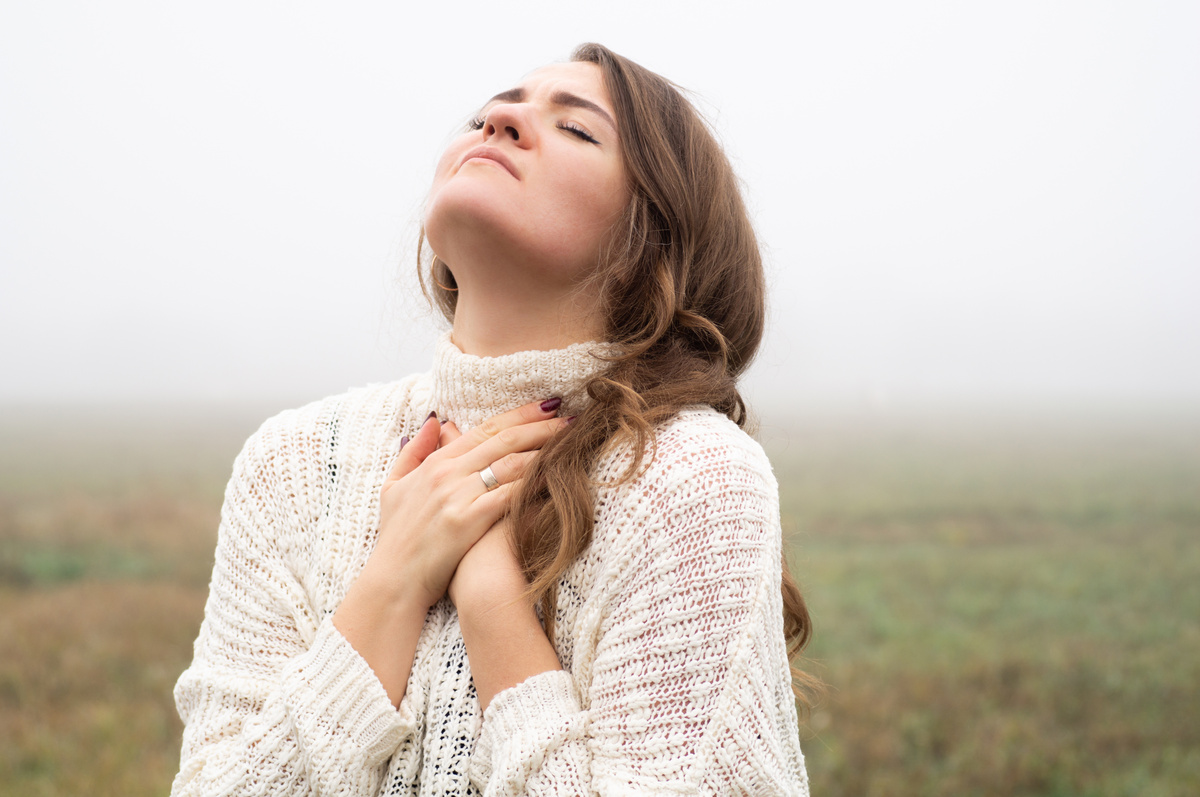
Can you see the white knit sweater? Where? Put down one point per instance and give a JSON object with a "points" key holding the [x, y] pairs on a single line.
{"points": [[675, 676]]}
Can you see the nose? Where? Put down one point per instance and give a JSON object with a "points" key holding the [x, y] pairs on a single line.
{"points": [[509, 120]]}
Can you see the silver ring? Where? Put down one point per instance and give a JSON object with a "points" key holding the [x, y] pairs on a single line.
{"points": [[489, 479]]}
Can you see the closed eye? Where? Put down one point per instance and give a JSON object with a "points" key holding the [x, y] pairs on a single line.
{"points": [[571, 127]]}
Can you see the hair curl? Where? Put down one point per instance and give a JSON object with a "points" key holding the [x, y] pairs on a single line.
{"points": [[682, 293]]}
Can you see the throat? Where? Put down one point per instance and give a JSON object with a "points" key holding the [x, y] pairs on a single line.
{"points": [[495, 323]]}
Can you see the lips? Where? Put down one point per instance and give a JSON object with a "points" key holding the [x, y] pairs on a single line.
{"points": [[492, 154]]}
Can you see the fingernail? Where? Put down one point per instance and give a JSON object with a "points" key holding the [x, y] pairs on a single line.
{"points": [[550, 405], [569, 421], [430, 416], [403, 442], [443, 422]]}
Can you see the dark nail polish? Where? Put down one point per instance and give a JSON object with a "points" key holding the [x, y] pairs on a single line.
{"points": [[430, 416], [403, 442], [570, 420], [550, 405]]}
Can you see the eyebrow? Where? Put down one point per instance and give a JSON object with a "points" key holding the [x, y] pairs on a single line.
{"points": [[560, 97]]}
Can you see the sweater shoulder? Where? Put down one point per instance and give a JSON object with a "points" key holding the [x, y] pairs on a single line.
{"points": [[294, 453], [701, 479], [697, 452], [303, 430], [707, 438], [303, 464]]}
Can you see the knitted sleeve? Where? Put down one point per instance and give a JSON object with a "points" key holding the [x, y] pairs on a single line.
{"points": [[276, 701], [688, 687]]}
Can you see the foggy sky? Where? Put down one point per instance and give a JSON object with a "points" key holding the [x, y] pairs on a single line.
{"points": [[958, 202]]}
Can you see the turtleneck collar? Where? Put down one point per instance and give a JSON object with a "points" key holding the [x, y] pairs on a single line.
{"points": [[468, 389]]}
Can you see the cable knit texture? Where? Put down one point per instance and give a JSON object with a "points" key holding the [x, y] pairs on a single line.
{"points": [[675, 677]]}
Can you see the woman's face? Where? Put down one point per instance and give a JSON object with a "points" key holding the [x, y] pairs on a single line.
{"points": [[537, 179]]}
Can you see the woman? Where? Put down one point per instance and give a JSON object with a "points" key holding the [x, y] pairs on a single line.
{"points": [[572, 583]]}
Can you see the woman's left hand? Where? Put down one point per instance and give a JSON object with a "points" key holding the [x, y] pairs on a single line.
{"points": [[505, 640], [488, 574]]}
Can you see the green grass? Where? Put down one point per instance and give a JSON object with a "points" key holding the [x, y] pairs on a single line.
{"points": [[1013, 610], [1000, 608]]}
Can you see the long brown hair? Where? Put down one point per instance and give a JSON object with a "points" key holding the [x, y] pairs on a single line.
{"points": [[682, 294]]}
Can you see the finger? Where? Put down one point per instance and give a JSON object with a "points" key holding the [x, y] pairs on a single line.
{"points": [[414, 452], [527, 437], [493, 504], [521, 416], [450, 433], [511, 467]]}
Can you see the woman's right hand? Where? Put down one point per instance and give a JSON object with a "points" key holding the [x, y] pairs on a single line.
{"points": [[434, 505]]}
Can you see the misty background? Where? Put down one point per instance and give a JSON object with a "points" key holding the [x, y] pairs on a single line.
{"points": [[979, 388], [961, 204]]}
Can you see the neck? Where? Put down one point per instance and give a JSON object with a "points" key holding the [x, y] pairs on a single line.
{"points": [[468, 389], [506, 317]]}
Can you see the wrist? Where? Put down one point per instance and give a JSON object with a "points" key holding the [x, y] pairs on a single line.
{"points": [[393, 591], [383, 624], [506, 644], [496, 613], [481, 587]]}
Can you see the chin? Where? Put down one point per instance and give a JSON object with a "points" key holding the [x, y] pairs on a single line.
{"points": [[468, 221], [458, 214]]}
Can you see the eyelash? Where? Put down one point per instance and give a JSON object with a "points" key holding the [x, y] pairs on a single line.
{"points": [[478, 122], [577, 130]]}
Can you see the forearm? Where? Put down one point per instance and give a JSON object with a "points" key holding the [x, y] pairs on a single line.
{"points": [[383, 625], [505, 645], [322, 725]]}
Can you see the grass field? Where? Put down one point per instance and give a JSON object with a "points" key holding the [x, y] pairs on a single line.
{"points": [[1001, 607]]}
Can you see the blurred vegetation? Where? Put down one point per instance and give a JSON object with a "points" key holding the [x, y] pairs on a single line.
{"points": [[108, 522], [1001, 607]]}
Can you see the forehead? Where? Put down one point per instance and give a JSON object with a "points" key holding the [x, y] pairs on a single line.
{"points": [[581, 77]]}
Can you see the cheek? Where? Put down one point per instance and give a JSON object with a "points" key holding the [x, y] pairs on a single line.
{"points": [[597, 198], [587, 221], [608, 205]]}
